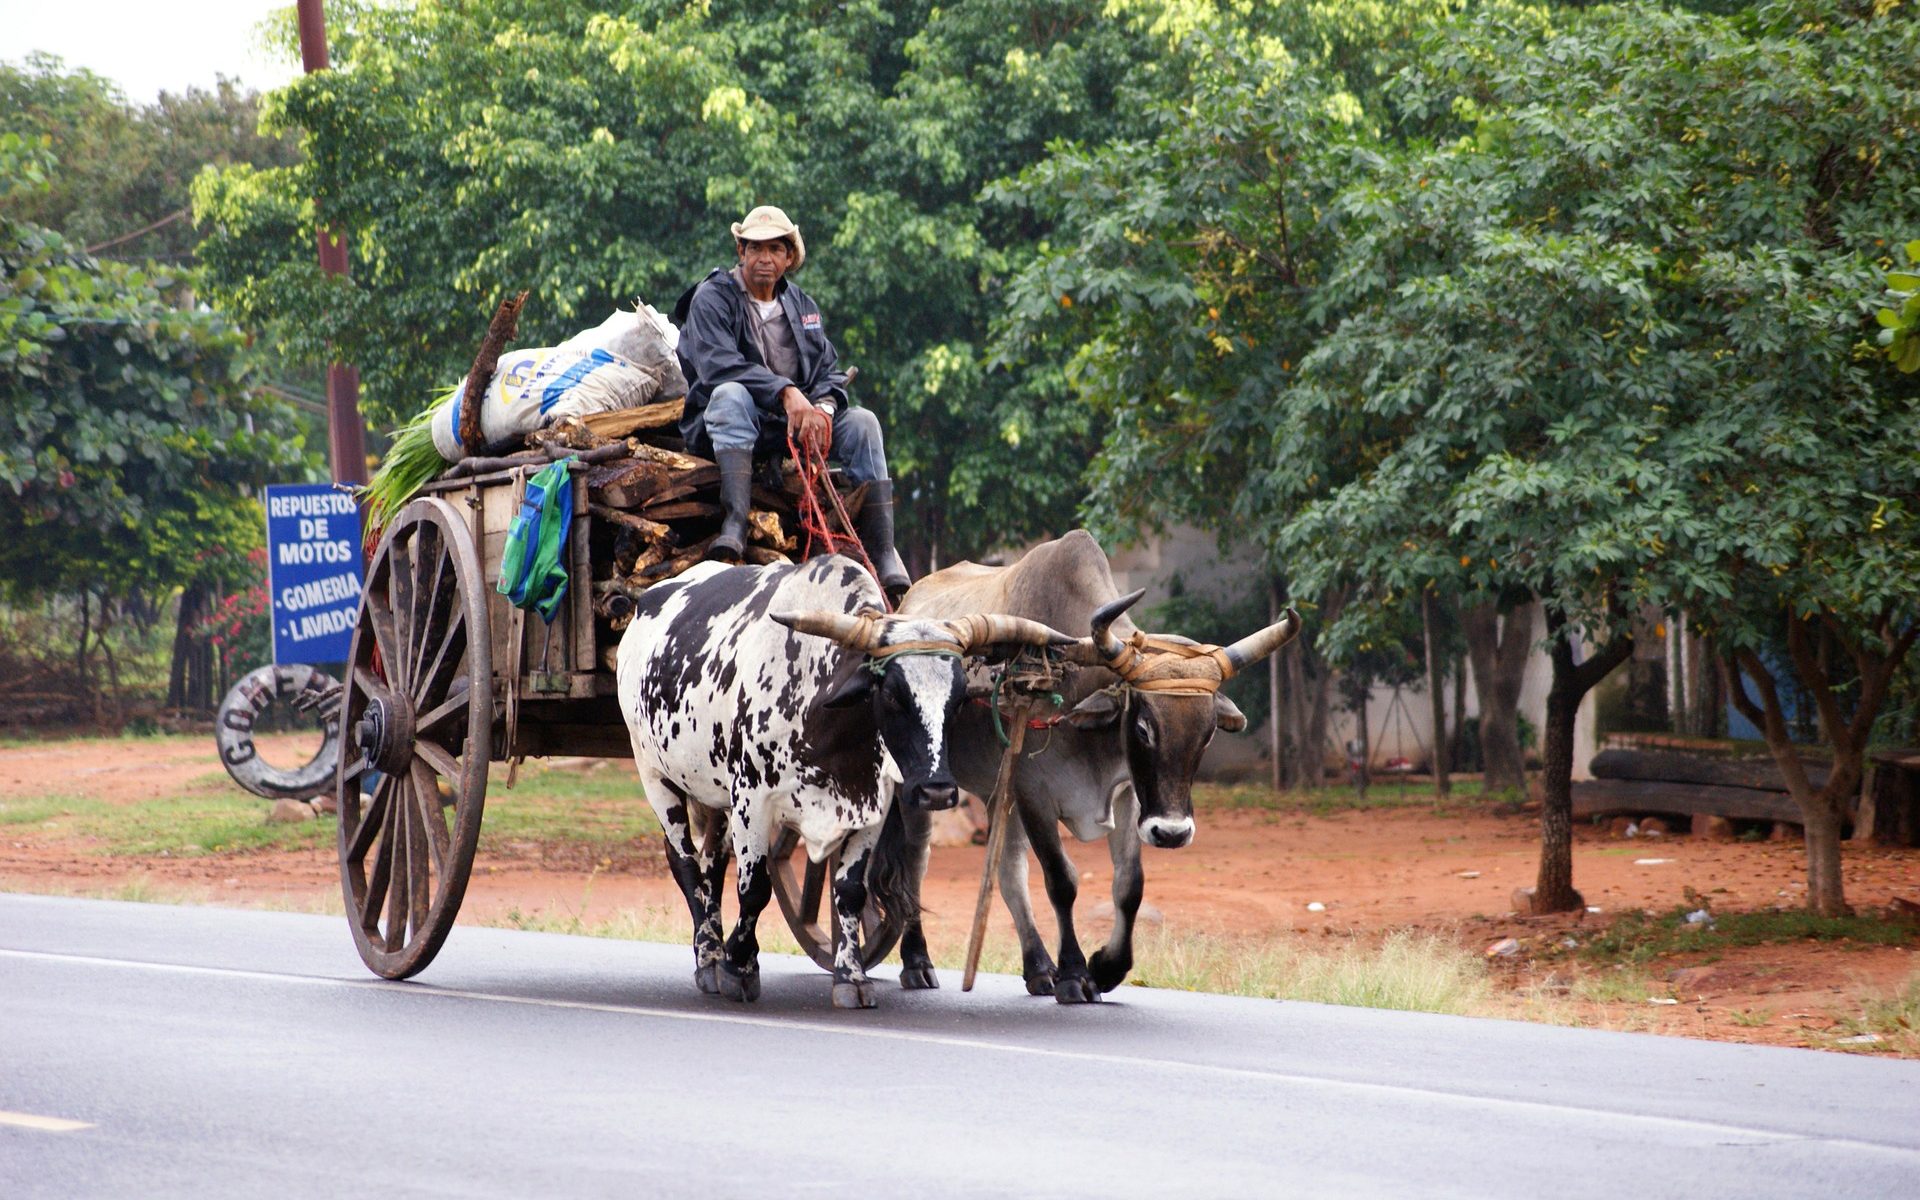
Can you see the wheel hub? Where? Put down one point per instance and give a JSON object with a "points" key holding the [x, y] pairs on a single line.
{"points": [[386, 733]]}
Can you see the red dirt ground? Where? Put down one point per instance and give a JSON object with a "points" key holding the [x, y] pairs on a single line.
{"points": [[1251, 873]]}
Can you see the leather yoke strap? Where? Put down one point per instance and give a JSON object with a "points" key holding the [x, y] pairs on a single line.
{"points": [[1143, 663]]}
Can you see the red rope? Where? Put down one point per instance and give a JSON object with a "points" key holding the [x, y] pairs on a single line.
{"points": [[813, 514]]}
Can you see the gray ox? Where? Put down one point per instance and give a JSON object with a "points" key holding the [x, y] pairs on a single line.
{"points": [[1118, 765], [735, 718]]}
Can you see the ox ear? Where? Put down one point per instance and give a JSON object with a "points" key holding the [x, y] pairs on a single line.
{"points": [[1227, 715], [1097, 711], [853, 689]]}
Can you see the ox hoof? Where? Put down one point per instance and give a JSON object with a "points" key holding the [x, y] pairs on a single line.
{"points": [[742, 986], [1109, 973], [919, 978], [1076, 989], [1040, 983], [706, 979], [854, 995]]}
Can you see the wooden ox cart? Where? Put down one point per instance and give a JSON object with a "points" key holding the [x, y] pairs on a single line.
{"points": [[447, 679]]}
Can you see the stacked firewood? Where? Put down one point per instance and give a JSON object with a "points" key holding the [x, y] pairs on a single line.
{"points": [[656, 508]]}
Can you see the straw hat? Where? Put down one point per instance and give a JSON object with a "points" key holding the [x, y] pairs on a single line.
{"points": [[766, 223]]}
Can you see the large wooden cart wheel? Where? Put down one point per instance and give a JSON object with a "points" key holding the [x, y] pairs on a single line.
{"points": [[417, 709], [805, 893]]}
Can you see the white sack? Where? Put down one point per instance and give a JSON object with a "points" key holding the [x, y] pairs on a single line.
{"points": [[534, 388], [644, 338]]}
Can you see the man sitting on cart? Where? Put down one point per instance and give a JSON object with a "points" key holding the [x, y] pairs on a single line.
{"points": [[758, 366]]}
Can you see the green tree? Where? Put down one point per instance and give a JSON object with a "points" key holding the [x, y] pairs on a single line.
{"points": [[1900, 323], [125, 169], [473, 148], [1552, 343], [130, 441]]}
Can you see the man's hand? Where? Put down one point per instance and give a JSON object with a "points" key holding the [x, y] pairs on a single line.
{"points": [[812, 429]]}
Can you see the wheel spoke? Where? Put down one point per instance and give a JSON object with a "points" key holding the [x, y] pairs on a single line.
{"points": [[811, 887], [400, 612], [427, 807], [419, 883], [454, 706], [371, 820], [436, 674], [379, 875], [386, 640], [367, 683], [429, 604], [398, 878], [440, 759]]}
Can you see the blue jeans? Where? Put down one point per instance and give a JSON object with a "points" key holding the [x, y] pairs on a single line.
{"points": [[735, 422]]}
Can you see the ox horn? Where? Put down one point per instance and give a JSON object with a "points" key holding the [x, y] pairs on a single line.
{"points": [[1103, 617], [856, 632], [1256, 646], [980, 630]]}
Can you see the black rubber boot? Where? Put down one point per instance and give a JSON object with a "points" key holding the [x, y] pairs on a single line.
{"points": [[875, 526], [736, 500]]}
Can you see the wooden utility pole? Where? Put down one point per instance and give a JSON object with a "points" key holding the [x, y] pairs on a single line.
{"points": [[346, 432]]}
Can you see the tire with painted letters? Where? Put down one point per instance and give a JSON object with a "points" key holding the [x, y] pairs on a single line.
{"points": [[246, 703]]}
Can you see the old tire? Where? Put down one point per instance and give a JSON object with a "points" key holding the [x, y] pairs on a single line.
{"points": [[257, 692]]}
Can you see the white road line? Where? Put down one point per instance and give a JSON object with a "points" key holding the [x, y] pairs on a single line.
{"points": [[1749, 1135], [44, 1124]]}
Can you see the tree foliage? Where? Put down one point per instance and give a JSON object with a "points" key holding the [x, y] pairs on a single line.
{"points": [[1589, 324], [125, 168], [469, 149], [129, 440]]}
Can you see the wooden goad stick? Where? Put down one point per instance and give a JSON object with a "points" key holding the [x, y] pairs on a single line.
{"points": [[999, 812]]}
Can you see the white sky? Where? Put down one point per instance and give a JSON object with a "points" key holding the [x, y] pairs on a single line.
{"points": [[147, 46]]}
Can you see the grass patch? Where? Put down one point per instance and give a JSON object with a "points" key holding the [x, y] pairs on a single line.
{"points": [[44, 810], [209, 815], [1406, 971], [1635, 937], [1894, 1019], [1618, 986], [592, 808], [1333, 798]]}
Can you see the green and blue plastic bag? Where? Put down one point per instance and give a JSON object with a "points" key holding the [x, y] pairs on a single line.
{"points": [[533, 571]]}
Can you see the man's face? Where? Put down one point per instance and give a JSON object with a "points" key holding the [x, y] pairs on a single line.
{"points": [[763, 263]]}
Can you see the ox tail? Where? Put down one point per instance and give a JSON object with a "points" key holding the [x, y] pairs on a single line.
{"points": [[891, 882]]}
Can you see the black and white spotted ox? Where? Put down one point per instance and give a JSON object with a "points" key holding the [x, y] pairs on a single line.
{"points": [[780, 696], [1119, 764]]}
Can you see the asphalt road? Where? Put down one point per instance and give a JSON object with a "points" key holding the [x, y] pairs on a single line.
{"points": [[210, 1052]]}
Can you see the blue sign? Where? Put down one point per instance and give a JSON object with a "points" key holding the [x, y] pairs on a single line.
{"points": [[314, 572]]}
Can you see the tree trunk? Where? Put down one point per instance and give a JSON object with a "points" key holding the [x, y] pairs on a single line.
{"points": [[182, 646], [1826, 893], [113, 664], [1313, 753], [1276, 727], [1455, 744], [1876, 655], [1436, 691], [1553, 887], [1499, 651], [1363, 773]]}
